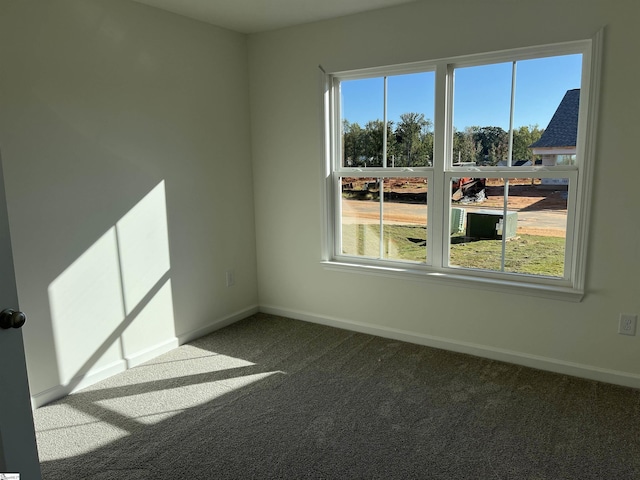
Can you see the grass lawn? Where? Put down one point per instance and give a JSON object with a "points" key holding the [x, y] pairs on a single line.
{"points": [[535, 255]]}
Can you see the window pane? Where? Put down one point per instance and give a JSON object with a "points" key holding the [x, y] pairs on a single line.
{"points": [[410, 111], [362, 116], [539, 242], [545, 112], [481, 110], [402, 234], [409, 128], [547, 99], [405, 219], [535, 228], [360, 217]]}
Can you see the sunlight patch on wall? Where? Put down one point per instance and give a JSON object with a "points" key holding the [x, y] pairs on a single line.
{"points": [[115, 300], [86, 306], [154, 323], [143, 243]]}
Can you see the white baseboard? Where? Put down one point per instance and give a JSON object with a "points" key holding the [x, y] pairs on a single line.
{"points": [[217, 325], [151, 352], [78, 383], [541, 363], [119, 366]]}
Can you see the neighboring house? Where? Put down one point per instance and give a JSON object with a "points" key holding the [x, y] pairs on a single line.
{"points": [[557, 146], [515, 163]]}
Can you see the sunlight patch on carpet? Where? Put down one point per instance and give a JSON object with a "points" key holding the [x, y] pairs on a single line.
{"points": [[150, 408], [79, 432]]}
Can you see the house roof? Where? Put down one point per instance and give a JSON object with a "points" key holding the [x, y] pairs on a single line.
{"points": [[515, 163], [562, 130]]}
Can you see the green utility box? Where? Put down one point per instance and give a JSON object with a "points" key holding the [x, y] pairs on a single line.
{"points": [[488, 224], [458, 220]]}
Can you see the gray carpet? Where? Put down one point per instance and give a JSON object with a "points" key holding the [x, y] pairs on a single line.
{"points": [[271, 397]]}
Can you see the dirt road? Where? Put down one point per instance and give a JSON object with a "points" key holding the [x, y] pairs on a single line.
{"points": [[541, 211], [531, 221]]}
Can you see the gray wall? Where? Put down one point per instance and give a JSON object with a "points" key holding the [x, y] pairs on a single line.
{"points": [[125, 141], [575, 338]]}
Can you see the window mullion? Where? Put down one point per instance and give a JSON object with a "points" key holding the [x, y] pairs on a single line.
{"points": [[337, 221], [384, 164], [335, 147], [572, 226], [505, 203], [438, 205]]}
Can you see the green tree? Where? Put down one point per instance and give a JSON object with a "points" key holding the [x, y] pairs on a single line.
{"points": [[495, 145], [523, 137], [414, 137], [374, 142], [465, 146], [411, 143], [362, 147], [352, 144]]}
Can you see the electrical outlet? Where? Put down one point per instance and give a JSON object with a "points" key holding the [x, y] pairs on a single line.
{"points": [[231, 278], [627, 324]]}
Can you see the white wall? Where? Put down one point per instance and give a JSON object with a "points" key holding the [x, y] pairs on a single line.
{"points": [[575, 338], [124, 133]]}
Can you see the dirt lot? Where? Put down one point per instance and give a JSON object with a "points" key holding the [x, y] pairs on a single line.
{"points": [[525, 196], [542, 210]]}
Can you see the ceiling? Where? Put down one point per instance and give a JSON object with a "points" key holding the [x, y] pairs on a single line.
{"points": [[252, 16]]}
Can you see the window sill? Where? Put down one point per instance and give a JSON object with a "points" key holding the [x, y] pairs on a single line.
{"points": [[554, 292]]}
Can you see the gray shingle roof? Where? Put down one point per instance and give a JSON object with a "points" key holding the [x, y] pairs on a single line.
{"points": [[562, 130]]}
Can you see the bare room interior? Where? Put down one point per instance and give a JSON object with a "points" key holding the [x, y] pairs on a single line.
{"points": [[172, 205]]}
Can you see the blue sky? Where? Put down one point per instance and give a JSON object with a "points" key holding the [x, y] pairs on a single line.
{"points": [[482, 94]]}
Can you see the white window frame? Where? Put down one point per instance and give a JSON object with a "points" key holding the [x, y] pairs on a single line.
{"points": [[571, 286]]}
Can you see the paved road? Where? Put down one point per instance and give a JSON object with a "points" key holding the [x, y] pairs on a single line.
{"points": [[551, 222]]}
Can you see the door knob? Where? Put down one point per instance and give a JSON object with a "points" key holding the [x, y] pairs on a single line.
{"points": [[12, 319]]}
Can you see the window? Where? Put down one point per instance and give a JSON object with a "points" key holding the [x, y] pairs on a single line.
{"points": [[471, 169]]}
